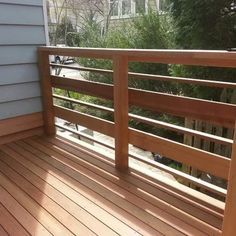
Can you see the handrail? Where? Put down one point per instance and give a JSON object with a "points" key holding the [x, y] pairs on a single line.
{"points": [[215, 112], [187, 57]]}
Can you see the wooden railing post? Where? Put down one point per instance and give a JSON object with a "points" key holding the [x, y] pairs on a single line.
{"points": [[229, 224], [120, 78], [46, 88]]}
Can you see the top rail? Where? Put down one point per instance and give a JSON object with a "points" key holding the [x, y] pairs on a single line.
{"points": [[213, 58]]}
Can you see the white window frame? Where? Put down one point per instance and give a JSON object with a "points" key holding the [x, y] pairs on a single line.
{"points": [[114, 16], [132, 10], [145, 10]]}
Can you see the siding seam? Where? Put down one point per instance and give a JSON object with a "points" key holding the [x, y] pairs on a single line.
{"points": [[22, 99], [26, 82], [20, 4], [16, 24]]}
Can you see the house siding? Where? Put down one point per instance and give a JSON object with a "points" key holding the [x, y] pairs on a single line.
{"points": [[22, 30]]}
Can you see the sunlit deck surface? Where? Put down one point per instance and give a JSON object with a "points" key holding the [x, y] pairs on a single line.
{"points": [[50, 186]]}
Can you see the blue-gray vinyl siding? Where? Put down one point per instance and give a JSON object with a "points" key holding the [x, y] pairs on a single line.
{"points": [[15, 35], [17, 74], [20, 107], [21, 32], [12, 14], [23, 2]]}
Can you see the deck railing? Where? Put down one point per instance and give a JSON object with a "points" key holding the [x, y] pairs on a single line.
{"points": [[217, 113]]}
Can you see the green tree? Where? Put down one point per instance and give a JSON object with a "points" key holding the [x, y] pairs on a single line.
{"points": [[152, 31], [205, 24]]}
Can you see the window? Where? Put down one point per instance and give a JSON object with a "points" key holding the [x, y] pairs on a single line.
{"points": [[140, 6], [126, 7], [114, 8]]}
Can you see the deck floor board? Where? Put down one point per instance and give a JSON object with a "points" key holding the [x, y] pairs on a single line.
{"points": [[157, 197], [60, 189]]}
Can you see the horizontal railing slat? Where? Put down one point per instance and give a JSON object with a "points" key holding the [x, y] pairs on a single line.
{"points": [[179, 174], [88, 121], [185, 107], [183, 130], [202, 160], [157, 102], [85, 87], [191, 179], [82, 103], [197, 158], [157, 123], [203, 82]]}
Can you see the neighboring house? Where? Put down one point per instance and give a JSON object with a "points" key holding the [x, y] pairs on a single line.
{"points": [[104, 12], [22, 30]]}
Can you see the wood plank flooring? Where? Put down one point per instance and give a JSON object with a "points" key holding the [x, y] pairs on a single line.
{"points": [[50, 186]]}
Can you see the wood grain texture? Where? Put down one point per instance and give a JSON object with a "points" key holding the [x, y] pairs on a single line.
{"points": [[3, 232], [207, 83], [187, 57], [18, 211], [121, 110], [21, 123], [34, 203], [229, 226], [157, 123], [10, 224], [84, 177], [123, 181], [170, 104], [48, 112], [185, 106], [91, 122], [200, 159], [21, 135], [85, 87], [85, 194]]}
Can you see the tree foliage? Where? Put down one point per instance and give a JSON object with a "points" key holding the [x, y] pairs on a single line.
{"points": [[149, 31], [204, 24]]}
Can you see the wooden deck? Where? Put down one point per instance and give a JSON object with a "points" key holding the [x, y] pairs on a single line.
{"points": [[50, 186]]}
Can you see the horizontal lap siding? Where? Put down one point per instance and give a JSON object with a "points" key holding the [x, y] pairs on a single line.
{"points": [[18, 55], [21, 14], [24, 2], [20, 107], [21, 35], [16, 92], [16, 74], [22, 31]]}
